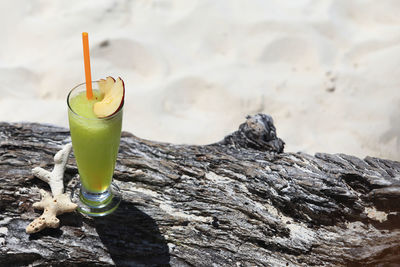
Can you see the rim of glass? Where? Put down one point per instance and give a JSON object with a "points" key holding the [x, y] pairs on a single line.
{"points": [[95, 119]]}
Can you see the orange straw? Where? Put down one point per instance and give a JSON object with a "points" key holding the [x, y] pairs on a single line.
{"points": [[86, 58]]}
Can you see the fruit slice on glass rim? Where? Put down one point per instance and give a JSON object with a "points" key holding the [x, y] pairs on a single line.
{"points": [[114, 93]]}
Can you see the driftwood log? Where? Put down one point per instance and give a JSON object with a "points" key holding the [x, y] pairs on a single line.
{"points": [[239, 202]]}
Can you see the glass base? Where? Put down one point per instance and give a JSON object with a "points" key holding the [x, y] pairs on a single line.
{"points": [[99, 204]]}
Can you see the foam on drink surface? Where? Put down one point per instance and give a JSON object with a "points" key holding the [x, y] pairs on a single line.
{"points": [[84, 107]]}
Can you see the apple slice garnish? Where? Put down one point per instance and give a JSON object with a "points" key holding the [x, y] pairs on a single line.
{"points": [[113, 100], [105, 85]]}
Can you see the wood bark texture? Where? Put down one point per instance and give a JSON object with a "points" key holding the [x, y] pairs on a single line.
{"points": [[238, 202]]}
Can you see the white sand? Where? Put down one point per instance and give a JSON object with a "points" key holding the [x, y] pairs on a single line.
{"points": [[194, 69]]}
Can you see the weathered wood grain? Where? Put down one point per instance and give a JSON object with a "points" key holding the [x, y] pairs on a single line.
{"points": [[239, 202]]}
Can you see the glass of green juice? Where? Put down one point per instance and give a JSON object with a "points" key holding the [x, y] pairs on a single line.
{"points": [[95, 143]]}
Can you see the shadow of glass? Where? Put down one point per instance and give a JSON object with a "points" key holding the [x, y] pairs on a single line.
{"points": [[132, 237]]}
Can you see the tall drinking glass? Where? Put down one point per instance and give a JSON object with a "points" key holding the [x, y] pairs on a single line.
{"points": [[95, 143]]}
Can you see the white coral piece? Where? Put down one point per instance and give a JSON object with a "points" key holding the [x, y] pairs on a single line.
{"points": [[58, 202]]}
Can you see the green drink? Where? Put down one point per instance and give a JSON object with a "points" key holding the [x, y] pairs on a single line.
{"points": [[95, 143]]}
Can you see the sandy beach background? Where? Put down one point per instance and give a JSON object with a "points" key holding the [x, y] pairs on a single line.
{"points": [[328, 72]]}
